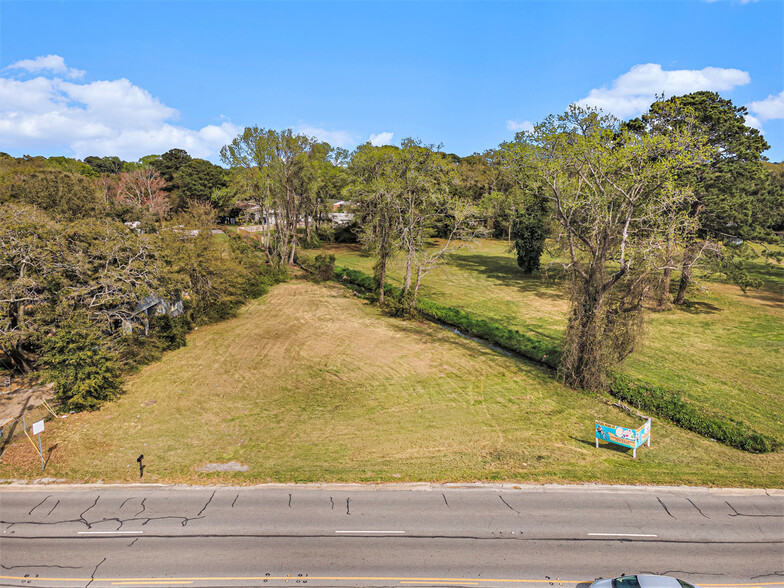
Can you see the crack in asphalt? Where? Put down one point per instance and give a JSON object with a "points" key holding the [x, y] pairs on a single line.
{"points": [[92, 576], [39, 504], [184, 521], [132, 542], [664, 506], [332, 502], [235, 501], [41, 566], [81, 516], [506, 503], [54, 507], [348, 506], [743, 514], [124, 501], [669, 572], [445, 501], [206, 505], [698, 508], [777, 573], [289, 500], [143, 508]]}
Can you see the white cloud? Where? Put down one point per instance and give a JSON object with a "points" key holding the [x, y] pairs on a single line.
{"points": [[51, 63], [753, 122], [770, 108], [516, 125], [633, 92], [334, 138], [110, 117], [381, 139], [204, 143]]}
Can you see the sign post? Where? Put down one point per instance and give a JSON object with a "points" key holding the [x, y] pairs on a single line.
{"points": [[38, 428]]}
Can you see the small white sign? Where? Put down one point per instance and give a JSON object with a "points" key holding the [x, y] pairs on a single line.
{"points": [[38, 427]]}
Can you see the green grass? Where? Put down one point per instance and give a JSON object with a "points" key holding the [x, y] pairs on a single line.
{"points": [[724, 350], [312, 384]]}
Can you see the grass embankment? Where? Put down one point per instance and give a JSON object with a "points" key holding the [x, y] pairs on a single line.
{"points": [[312, 384], [724, 350]]}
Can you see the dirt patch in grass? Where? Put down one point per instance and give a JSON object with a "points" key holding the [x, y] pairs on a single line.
{"points": [[232, 466], [19, 398]]}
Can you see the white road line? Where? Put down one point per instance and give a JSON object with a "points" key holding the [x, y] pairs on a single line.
{"points": [[109, 532], [381, 532], [620, 535]]}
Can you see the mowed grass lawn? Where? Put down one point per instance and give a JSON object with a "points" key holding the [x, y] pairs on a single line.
{"points": [[311, 384], [723, 350]]}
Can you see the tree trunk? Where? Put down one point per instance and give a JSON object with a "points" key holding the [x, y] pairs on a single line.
{"points": [[664, 288], [293, 251], [18, 358], [688, 263], [583, 364], [409, 264], [382, 278], [416, 287]]}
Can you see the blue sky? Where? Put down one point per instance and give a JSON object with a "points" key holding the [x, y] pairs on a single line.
{"points": [[101, 78]]}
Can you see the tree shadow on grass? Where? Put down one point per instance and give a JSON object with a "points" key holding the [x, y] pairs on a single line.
{"points": [[504, 269], [697, 307], [770, 296]]}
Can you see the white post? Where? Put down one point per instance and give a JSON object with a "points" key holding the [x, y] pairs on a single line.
{"points": [[41, 451]]}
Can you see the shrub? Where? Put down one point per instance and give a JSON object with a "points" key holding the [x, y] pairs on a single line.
{"points": [[509, 339], [666, 404], [323, 267], [171, 332], [313, 243], [84, 373], [354, 277]]}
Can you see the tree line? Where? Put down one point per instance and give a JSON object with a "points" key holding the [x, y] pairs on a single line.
{"points": [[622, 206], [73, 273]]}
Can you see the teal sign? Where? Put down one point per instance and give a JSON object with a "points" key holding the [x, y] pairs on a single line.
{"points": [[631, 438]]}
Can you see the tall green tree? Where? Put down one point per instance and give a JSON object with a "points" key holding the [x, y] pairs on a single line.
{"points": [[407, 197], [199, 180], [105, 165], [280, 170], [376, 187], [170, 163], [731, 201], [529, 231], [611, 191]]}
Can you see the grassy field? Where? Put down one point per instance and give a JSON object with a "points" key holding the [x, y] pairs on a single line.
{"points": [[313, 384], [724, 350]]}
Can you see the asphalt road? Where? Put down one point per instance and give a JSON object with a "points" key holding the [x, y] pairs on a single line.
{"points": [[386, 536]]}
